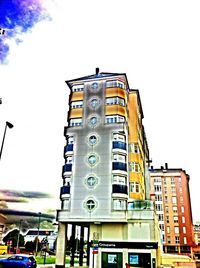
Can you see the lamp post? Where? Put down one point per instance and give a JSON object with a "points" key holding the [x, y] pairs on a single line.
{"points": [[38, 232], [7, 125], [18, 236]]}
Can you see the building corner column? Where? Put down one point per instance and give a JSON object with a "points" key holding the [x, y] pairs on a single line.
{"points": [[61, 245]]}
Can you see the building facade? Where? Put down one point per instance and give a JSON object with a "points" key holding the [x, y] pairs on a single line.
{"points": [[170, 190], [106, 180]]}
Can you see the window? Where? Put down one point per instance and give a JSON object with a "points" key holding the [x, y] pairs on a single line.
{"points": [[92, 140], [119, 204], [165, 190], [177, 239], [118, 179], [75, 122], [173, 189], [160, 217], [66, 204], [167, 209], [157, 179], [77, 88], [185, 240], [118, 137], [67, 180], [93, 120], [166, 198], [115, 83], [91, 181], [115, 101], [69, 160], [158, 197], [169, 240], [162, 228], [70, 140], [167, 219], [157, 188], [159, 207], [175, 219], [172, 181], [92, 159], [134, 167], [184, 229], [182, 209], [76, 104], [94, 103], [112, 119], [90, 204], [174, 201], [94, 86], [134, 148], [134, 187], [183, 219], [119, 158], [168, 229], [174, 209], [176, 230], [181, 199]]}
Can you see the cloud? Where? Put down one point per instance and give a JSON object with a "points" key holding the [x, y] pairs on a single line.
{"points": [[21, 196], [18, 17]]}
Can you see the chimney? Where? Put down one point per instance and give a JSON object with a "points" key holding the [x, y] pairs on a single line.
{"points": [[166, 165], [97, 71]]}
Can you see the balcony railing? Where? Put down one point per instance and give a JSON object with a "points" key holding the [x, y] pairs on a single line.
{"points": [[119, 189], [68, 148], [67, 168], [64, 190], [119, 166], [119, 145], [141, 204]]}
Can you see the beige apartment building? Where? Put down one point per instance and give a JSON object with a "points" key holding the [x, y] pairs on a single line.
{"points": [[106, 182]]}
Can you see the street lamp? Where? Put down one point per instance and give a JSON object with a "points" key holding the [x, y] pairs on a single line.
{"points": [[7, 125], [37, 241]]}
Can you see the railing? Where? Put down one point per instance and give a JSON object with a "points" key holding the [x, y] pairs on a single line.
{"points": [[119, 145], [119, 189], [68, 148], [67, 167], [119, 166], [65, 190], [141, 204]]}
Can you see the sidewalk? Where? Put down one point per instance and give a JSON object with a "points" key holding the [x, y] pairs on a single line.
{"points": [[53, 266]]}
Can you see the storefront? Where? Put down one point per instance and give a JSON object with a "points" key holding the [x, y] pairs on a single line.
{"points": [[117, 254]]}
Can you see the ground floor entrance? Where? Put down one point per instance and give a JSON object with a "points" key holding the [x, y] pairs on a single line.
{"points": [[111, 260], [135, 259]]}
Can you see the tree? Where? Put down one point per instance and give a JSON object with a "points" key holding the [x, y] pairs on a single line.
{"points": [[30, 246], [13, 236]]}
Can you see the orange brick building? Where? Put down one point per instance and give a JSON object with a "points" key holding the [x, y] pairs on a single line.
{"points": [[170, 189]]}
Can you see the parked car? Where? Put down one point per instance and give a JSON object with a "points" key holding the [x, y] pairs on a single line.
{"points": [[18, 261]]}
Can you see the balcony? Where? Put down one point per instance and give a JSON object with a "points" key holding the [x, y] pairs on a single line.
{"points": [[68, 148], [119, 189], [65, 192], [119, 166], [119, 145], [67, 168]]}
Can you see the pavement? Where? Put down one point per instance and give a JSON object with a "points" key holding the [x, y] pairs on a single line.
{"points": [[53, 266]]}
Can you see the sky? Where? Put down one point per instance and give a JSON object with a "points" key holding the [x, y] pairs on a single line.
{"points": [[156, 43]]}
